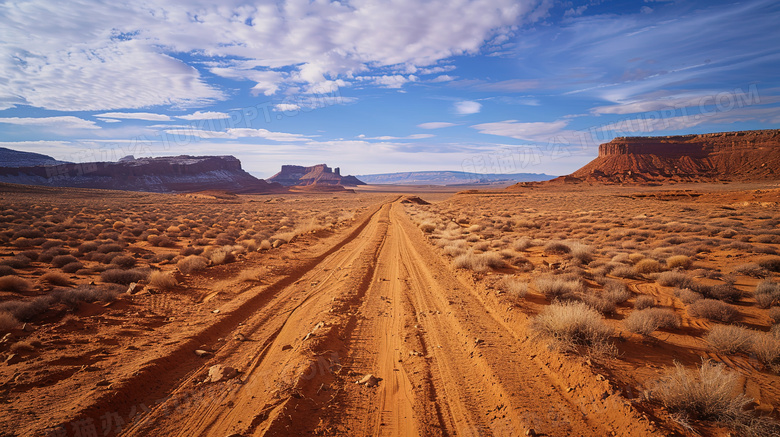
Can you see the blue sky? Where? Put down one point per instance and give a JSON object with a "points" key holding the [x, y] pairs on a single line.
{"points": [[380, 86]]}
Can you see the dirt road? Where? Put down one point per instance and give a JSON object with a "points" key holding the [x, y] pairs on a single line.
{"points": [[382, 302]]}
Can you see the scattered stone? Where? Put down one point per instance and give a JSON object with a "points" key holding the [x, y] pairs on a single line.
{"points": [[215, 311], [308, 336], [286, 347], [13, 359], [530, 432], [131, 289], [28, 327], [102, 383], [202, 353], [240, 337], [218, 373], [369, 380]]}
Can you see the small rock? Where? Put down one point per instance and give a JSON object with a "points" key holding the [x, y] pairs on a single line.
{"points": [[202, 353], [215, 311], [13, 359], [369, 380], [102, 383], [240, 337], [286, 347], [530, 432], [27, 327], [308, 336], [131, 288], [218, 373]]}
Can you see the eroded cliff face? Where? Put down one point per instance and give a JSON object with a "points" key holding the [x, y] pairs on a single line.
{"points": [[166, 174], [738, 156], [297, 175]]}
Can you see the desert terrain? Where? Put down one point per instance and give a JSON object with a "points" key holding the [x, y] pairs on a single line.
{"points": [[550, 310]]}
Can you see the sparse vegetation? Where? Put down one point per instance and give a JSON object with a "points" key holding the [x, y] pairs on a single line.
{"points": [[553, 287], [713, 310], [13, 283], [572, 324], [192, 263], [646, 321], [124, 277], [162, 280]]}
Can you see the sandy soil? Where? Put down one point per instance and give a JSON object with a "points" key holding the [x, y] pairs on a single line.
{"points": [[366, 326]]}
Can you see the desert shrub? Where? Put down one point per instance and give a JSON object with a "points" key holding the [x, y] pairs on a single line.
{"points": [[553, 287], [72, 267], [478, 262], [109, 247], [7, 321], [264, 245], [86, 293], [17, 262], [124, 277], [581, 253], [162, 280], [159, 240], [55, 278], [774, 314], [192, 263], [687, 296], [599, 303], [221, 256], [643, 302], [727, 291], [751, 269], [557, 247], [572, 324], [124, 261], [647, 320], [766, 348], [493, 260], [427, 226], [6, 270], [674, 279], [61, 260], [13, 283], [713, 310], [710, 392], [615, 292], [160, 257], [678, 261], [729, 339], [190, 250], [521, 244], [516, 290], [52, 243], [648, 265], [623, 271]]}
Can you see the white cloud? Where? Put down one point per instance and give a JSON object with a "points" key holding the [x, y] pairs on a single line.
{"points": [[443, 78], [65, 122], [467, 107], [535, 131], [149, 116], [435, 125], [109, 120], [287, 107], [235, 133], [409, 137], [390, 81], [133, 55], [208, 115]]}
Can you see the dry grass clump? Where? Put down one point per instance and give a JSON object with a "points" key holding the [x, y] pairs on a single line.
{"points": [[162, 280], [27, 310], [765, 346], [646, 321], [61, 260], [553, 287], [522, 244], [623, 271], [615, 292], [478, 262], [599, 303], [643, 302], [556, 247], [516, 290], [13, 283], [713, 310], [751, 269], [710, 392], [123, 261], [727, 291], [771, 263], [264, 245], [678, 261], [7, 321], [687, 296], [55, 278], [72, 267], [427, 226], [674, 279], [774, 314], [767, 293], [192, 263], [16, 262], [648, 265], [124, 277], [573, 324], [221, 256], [6, 270]]}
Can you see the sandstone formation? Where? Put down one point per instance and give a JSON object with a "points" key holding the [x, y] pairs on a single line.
{"points": [[166, 174], [320, 174], [724, 156]]}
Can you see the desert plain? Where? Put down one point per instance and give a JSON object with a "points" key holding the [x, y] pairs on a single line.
{"points": [[540, 310]]}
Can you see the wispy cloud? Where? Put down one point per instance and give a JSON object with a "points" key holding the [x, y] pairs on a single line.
{"points": [[235, 133], [409, 137], [65, 122], [207, 115], [535, 131], [435, 125], [149, 116]]}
